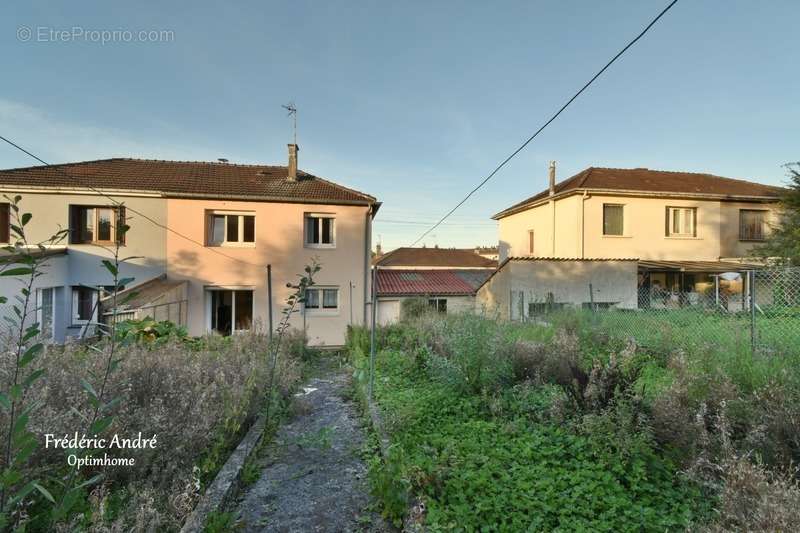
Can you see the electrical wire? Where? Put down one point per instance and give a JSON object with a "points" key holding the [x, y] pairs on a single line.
{"points": [[551, 119]]}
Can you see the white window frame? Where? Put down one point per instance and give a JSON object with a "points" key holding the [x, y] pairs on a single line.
{"points": [[603, 220], [436, 300], [317, 217], [232, 289], [322, 310], [225, 242], [74, 310], [764, 229], [40, 311], [684, 231]]}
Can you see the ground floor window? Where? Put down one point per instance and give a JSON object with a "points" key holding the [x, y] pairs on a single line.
{"points": [[230, 310], [438, 304], [322, 298], [46, 312], [84, 300]]}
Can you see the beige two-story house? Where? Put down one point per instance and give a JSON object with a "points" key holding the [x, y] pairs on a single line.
{"points": [[202, 238], [682, 227]]}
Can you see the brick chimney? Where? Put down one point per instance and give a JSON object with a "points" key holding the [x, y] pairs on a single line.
{"points": [[552, 178], [293, 149]]}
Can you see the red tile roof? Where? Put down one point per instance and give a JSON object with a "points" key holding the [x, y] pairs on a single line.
{"points": [[433, 257], [185, 179], [644, 180], [418, 282]]}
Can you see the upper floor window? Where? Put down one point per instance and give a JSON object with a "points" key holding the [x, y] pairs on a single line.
{"points": [[226, 229], [613, 219], [95, 224], [320, 231], [752, 224], [681, 222], [5, 223], [324, 298], [530, 242]]}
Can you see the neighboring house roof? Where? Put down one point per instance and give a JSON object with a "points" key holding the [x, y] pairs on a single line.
{"points": [[420, 282], [185, 179], [643, 180], [433, 257]]}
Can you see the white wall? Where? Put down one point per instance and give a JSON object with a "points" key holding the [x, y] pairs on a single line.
{"points": [[567, 281]]}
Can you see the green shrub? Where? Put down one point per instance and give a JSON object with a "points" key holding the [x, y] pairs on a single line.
{"points": [[412, 308]]}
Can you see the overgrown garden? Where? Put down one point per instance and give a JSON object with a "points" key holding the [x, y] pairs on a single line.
{"points": [[568, 427]]}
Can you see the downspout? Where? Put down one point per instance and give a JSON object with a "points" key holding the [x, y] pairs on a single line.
{"points": [[367, 249], [582, 226]]}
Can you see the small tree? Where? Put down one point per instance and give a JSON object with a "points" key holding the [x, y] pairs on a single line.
{"points": [[783, 243]]}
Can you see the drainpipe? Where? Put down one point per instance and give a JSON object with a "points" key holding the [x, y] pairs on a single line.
{"points": [[582, 225], [552, 191]]}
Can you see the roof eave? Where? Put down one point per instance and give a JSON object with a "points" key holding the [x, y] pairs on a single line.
{"points": [[634, 192]]}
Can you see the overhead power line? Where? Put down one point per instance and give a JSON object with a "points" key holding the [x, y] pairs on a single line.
{"points": [[128, 208], [551, 119]]}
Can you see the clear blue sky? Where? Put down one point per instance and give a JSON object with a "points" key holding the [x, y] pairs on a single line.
{"points": [[413, 102]]}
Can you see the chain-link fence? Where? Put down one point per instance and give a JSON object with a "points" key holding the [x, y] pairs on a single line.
{"points": [[755, 310]]}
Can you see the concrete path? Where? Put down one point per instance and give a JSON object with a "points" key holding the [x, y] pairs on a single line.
{"points": [[313, 477]]}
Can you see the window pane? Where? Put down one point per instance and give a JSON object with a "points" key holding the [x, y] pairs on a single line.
{"points": [[612, 219], [312, 299], [217, 229], [752, 224], [232, 234], [4, 223], [84, 301], [104, 224], [314, 221], [530, 242], [46, 302], [330, 298], [690, 214], [327, 230], [87, 224], [442, 308], [221, 311], [249, 228], [244, 310]]}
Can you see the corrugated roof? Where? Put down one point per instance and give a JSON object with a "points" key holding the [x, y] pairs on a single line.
{"points": [[433, 257], [185, 178], [418, 282], [698, 266], [645, 180]]}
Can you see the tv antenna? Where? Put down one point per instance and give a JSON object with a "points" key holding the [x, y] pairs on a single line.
{"points": [[292, 112]]}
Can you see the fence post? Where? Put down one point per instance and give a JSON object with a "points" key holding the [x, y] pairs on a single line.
{"points": [[591, 298], [269, 300], [751, 280], [372, 335]]}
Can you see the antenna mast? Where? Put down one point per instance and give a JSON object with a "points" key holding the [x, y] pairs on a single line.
{"points": [[292, 112]]}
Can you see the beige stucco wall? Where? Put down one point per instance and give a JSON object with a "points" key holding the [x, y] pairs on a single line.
{"points": [[568, 281], [279, 242], [145, 241], [579, 229]]}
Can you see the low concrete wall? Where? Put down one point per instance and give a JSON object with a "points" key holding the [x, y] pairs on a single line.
{"points": [[524, 281]]}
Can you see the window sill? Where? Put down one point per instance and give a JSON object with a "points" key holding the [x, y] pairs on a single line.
{"points": [[752, 240], [232, 245], [683, 238], [320, 246], [617, 236], [322, 312]]}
